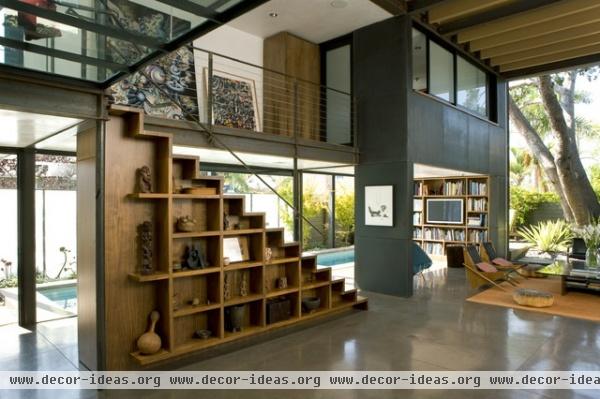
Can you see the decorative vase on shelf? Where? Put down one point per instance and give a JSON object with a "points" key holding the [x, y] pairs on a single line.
{"points": [[591, 257]]}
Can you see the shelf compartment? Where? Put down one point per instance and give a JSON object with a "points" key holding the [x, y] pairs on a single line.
{"points": [[185, 327], [190, 309], [237, 218], [253, 278], [143, 278], [194, 234], [341, 296], [206, 213], [155, 212], [251, 246], [315, 275], [274, 272], [209, 248], [206, 288], [323, 293], [282, 308], [196, 272], [253, 318]]}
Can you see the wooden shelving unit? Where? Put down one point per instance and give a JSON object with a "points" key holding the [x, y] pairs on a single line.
{"points": [[171, 291], [434, 238]]}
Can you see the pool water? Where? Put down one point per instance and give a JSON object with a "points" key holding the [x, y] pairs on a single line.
{"points": [[335, 258], [63, 296]]}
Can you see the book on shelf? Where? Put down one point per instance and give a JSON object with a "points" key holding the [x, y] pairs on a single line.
{"points": [[453, 188], [477, 236], [418, 188], [477, 188], [436, 233], [477, 220], [434, 248], [477, 205], [417, 232], [417, 205], [417, 218]]}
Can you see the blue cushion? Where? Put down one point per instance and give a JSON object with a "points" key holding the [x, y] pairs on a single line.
{"points": [[421, 260]]}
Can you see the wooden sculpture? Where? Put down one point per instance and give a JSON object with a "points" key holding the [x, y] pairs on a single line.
{"points": [[149, 342]]}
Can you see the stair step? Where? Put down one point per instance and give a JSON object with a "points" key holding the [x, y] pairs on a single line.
{"points": [[290, 244]]}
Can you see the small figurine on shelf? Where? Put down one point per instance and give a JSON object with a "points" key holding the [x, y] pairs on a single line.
{"points": [[194, 259], [282, 283], [202, 334], [244, 285], [227, 287], [149, 342], [268, 254], [226, 224], [186, 224], [195, 302], [226, 261], [175, 301], [145, 236], [144, 180]]}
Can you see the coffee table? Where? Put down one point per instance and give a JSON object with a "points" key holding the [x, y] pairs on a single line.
{"points": [[574, 275]]}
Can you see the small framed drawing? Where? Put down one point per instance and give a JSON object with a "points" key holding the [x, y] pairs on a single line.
{"points": [[236, 249], [379, 206]]}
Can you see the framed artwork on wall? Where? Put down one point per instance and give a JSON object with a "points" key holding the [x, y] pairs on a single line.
{"points": [[234, 101], [236, 249], [379, 206]]}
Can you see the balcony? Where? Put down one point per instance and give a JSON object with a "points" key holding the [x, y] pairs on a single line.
{"points": [[234, 97]]}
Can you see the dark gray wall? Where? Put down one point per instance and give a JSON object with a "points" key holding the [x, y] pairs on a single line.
{"points": [[398, 128]]}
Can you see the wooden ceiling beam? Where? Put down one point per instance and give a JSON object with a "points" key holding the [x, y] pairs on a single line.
{"points": [[551, 58], [546, 50], [535, 30], [580, 62], [541, 41], [419, 6], [539, 15], [460, 8]]}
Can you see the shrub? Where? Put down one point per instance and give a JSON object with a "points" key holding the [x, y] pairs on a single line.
{"points": [[549, 236], [524, 202]]}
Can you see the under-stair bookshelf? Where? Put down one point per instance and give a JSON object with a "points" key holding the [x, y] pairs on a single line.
{"points": [[192, 299], [473, 191]]}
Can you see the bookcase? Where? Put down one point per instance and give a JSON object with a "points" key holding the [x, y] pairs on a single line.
{"points": [[190, 299], [473, 190]]}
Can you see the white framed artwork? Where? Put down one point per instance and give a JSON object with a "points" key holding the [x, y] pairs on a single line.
{"points": [[379, 206]]}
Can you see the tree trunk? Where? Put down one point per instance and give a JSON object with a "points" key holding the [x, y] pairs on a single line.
{"points": [[576, 186], [542, 154]]}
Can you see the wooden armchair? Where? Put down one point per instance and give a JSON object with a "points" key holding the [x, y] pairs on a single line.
{"points": [[481, 273], [489, 255]]}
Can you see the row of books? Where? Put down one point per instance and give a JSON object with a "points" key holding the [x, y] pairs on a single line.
{"points": [[417, 218], [433, 248], [477, 188], [417, 205], [477, 221], [453, 188], [444, 234], [477, 204], [477, 236], [417, 232]]}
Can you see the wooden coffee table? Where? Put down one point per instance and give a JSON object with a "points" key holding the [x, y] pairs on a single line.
{"points": [[574, 275]]}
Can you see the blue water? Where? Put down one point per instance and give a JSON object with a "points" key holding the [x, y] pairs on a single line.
{"points": [[65, 296], [336, 258]]}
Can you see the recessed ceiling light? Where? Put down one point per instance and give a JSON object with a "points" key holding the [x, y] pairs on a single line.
{"points": [[273, 14], [339, 3]]}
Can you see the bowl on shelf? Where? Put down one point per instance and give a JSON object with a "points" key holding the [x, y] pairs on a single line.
{"points": [[310, 303]]}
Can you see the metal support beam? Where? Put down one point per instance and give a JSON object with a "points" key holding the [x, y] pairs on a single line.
{"points": [[65, 55], [193, 8], [26, 236], [419, 6], [491, 15]]}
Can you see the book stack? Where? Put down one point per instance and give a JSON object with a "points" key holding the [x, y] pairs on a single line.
{"points": [[477, 221], [477, 188], [477, 205], [453, 188]]}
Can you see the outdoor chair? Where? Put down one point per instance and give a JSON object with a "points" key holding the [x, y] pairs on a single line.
{"points": [[488, 254], [481, 273]]}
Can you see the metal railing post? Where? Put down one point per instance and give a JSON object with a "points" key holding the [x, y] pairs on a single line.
{"points": [[209, 100]]}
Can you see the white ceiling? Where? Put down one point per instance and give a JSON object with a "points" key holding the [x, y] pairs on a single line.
{"points": [[209, 155], [314, 20], [21, 129], [424, 171]]}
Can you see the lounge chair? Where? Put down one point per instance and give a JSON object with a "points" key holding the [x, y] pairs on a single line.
{"points": [[488, 254], [421, 261], [481, 273], [577, 249]]}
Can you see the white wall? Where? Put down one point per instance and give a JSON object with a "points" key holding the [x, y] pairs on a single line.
{"points": [[234, 43]]}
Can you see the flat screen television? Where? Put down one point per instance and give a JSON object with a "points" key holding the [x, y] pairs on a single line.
{"points": [[445, 211]]}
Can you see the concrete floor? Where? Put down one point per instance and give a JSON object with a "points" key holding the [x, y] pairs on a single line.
{"points": [[434, 330]]}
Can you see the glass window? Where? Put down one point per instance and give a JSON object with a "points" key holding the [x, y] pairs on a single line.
{"points": [[471, 87], [441, 72], [56, 236], [344, 211], [9, 297], [316, 207], [419, 60]]}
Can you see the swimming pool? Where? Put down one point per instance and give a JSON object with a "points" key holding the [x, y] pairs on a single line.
{"points": [[64, 296], [336, 258]]}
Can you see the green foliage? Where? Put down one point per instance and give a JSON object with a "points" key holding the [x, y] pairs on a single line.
{"points": [[595, 179], [549, 236], [10, 282], [524, 202], [344, 218]]}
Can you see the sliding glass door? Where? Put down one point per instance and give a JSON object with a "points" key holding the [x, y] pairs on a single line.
{"points": [[9, 298]]}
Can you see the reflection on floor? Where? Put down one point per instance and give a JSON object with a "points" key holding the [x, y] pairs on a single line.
{"points": [[434, 330]]}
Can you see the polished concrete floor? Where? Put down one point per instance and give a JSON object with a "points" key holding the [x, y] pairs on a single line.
{"points": [[434, 330]]}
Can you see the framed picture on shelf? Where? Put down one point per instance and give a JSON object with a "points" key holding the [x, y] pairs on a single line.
{"points": [[236, 249], [379, 206], [234, 101]]}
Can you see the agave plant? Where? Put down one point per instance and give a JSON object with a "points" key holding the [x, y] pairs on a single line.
{"points": [[549, 237]]}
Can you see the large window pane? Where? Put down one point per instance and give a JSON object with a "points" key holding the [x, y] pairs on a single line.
{"points": [[9, 309], [441, 75], [56, 236], [344, 211], [419, 60], [316, 207], [471, 87]]}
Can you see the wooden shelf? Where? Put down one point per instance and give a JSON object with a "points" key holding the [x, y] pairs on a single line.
{"points": [[149, 195], [196, 196], [316, 284], [143, 278], [197, 234], [149, 359], [242, 231], [279, 261], [238, 300], [196, 344], [190, 309], [250, 330], [196, 272], [243, 265], [283, 291]]}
